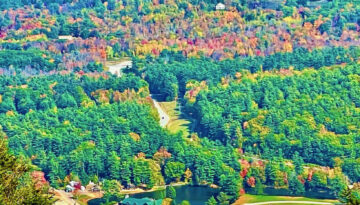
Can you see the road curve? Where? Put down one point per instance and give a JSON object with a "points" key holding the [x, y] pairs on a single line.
{"points": [[289, 202], [164, 118]]}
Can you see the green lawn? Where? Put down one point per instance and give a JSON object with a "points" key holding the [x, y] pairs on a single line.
{"points": [[248, 198], [176, 123]]}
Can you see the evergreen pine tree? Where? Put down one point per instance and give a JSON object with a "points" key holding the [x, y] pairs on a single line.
{"points": [[211, 201], [170, 192], [296, 188]]}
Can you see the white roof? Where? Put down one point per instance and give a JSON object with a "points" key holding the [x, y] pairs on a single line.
{"points": [[66, 37], [220, 6]]}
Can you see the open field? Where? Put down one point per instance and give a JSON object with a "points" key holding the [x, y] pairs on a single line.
{"points": [[250, 199], [176, 123]]}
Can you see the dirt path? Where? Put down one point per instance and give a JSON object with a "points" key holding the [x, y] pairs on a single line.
{"points": [[64, 198], [288, 202], [164, 118]]}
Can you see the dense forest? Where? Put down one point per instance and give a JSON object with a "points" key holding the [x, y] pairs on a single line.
{"points": [[272, 89], [97, 128], [310, 112], [101, 30], [179, 71]]}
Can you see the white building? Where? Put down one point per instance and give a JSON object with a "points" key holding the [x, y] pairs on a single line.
{"points": [[69, 38], [220, 6]]}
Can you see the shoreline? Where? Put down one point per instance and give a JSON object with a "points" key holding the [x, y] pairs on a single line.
{"points": [[155, 188]]}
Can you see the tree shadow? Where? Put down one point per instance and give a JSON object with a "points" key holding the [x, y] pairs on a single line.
{"points": [[191, 125]]}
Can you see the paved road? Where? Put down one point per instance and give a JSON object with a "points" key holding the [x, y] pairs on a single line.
{"points": [[116, 69], [164, 118], [288, 202]]}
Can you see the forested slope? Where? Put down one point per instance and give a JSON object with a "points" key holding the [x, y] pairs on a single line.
{"points": [[97, 30], [105, 128], [169, 74], [311, 114], [271, 86]]}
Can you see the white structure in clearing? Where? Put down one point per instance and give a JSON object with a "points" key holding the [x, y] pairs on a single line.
{"points": [[66, 38], [220, 6]]}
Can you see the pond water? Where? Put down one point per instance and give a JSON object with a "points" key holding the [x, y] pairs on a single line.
{"points": [[196, 195]]}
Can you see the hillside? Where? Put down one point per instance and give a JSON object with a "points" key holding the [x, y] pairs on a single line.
{"points": [[258, 97]]}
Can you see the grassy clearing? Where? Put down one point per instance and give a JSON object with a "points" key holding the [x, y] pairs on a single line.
{"points": [[248, 198], [115, 61], [83, 199], [176, 123], [87, 196]]}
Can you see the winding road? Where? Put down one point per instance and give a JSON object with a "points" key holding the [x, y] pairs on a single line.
{"points": [[164, 118], [116, 69], [289, 202]]}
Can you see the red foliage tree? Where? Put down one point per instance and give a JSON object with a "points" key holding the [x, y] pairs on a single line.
{"points": [[251, 181]]}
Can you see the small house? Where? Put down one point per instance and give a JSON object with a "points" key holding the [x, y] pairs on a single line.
{"points": [[95, 189], [76, 185], [130, 186], [220, 6], [69, 188], [73, 185]]}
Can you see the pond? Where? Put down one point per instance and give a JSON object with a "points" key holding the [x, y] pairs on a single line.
{"points": [[196, 195]]}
